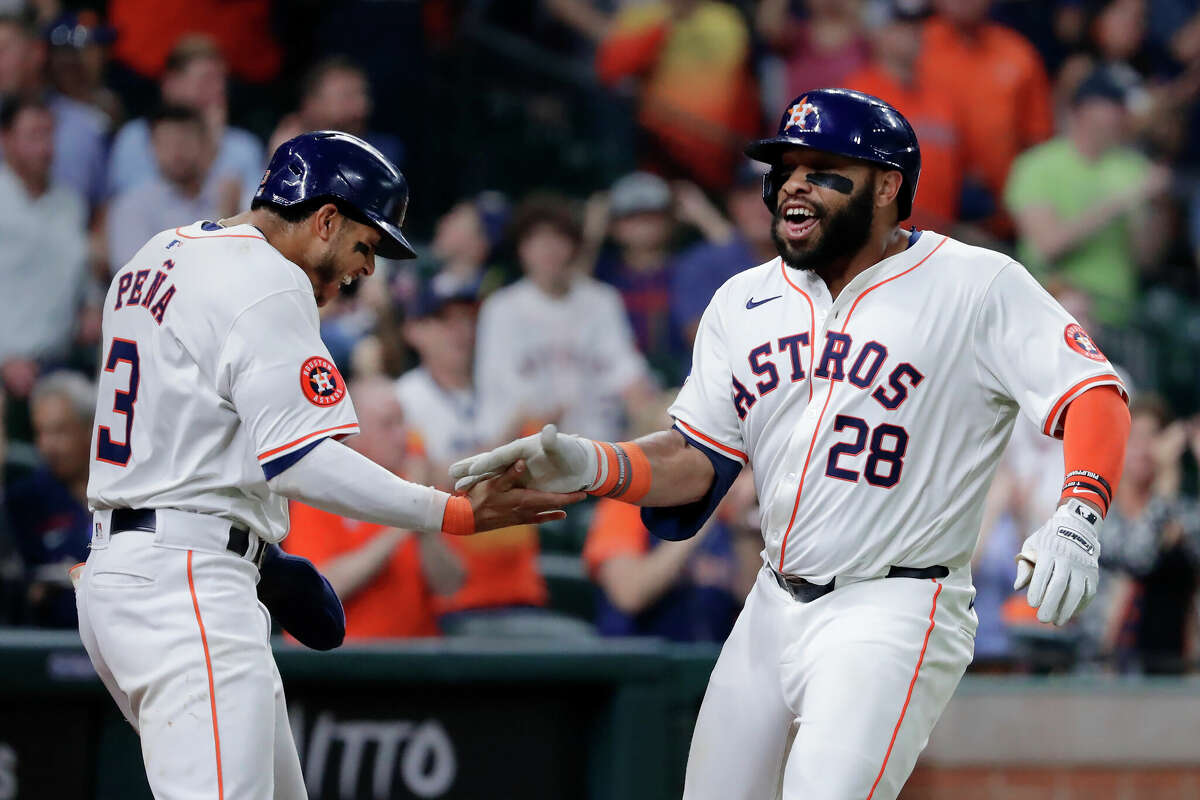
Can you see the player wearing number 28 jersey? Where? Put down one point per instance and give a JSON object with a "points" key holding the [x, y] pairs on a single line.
{"points": [[870, 376]]}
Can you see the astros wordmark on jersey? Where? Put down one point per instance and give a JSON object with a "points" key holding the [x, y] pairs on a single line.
{"points": [[874, 422]]}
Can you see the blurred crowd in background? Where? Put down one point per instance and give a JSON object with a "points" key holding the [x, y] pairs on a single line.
{"points": [[578, 194]]}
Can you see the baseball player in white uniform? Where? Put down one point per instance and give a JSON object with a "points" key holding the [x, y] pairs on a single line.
{"points": [[218, 402], [870, 375]]}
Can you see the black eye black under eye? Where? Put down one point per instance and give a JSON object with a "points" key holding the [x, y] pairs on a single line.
{"points": [[359, 247], [831, 180]]}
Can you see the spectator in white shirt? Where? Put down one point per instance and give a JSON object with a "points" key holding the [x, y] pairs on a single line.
{"points": [[43, 258], [556, 346], [181, 193], [80, 128], [438, 396], [194, 76]]}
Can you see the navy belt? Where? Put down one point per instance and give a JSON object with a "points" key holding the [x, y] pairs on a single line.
{"points": [[144, 519], [806, 591]]}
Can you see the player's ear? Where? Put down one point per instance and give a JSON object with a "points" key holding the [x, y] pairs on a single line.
{"points": [[325, 221], [887, 187]]}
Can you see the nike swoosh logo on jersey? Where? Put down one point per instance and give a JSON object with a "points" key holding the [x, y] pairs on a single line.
{"points": [[752, 303]]}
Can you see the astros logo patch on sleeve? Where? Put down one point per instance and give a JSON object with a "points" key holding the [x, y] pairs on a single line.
{"points": [[1080, 342], [321, 383]]}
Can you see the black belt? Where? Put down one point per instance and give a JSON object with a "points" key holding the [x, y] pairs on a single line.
{"points": [[806, 591], [144, 519]]}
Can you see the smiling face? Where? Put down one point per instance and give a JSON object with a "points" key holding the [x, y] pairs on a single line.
{"points": [[825, 209], [344, 251]]}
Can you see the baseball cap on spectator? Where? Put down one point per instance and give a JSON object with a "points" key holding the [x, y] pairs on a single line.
{"points": [[433, 295], [639, 192], [78, 30], [494, 213], [1102, 83], [883, 13]]}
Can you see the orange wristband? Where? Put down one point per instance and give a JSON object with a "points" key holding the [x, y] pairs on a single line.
{"points": [[639, 473], [628, 478], [608, 455], [458, 518]]}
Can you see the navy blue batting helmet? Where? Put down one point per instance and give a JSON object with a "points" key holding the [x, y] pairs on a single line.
{"points": [[850, 124], [335, 165]]}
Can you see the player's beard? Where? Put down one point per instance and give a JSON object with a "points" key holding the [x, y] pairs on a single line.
{"points": [[843, 234], [326, 272]]}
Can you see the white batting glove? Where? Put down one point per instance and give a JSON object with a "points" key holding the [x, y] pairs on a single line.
{"points": [[1060, 562], [556, 462]]}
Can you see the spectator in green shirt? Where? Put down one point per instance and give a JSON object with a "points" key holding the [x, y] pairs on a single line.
{"points": [[1084, 202]]}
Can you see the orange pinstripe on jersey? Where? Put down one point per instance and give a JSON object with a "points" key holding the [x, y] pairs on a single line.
{"points": [[1050, 428], [212, 695], [726, 448], [294, 442], [179, 232], [908, 697], [812, 442], [812, 325]]}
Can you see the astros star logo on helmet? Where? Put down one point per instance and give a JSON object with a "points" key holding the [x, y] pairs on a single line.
{"points": [[804, 116]]}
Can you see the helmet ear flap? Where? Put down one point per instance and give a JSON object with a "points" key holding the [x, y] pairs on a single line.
{"points": [[772, 182]]}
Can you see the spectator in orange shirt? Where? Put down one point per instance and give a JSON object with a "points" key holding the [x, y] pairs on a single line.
{"points": [[148, 29], [387, 579], [997, 81], [697, 104], [687, 591], [892, 76]]}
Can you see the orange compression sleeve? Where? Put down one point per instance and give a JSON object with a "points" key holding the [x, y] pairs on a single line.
{"points": [[1097, 425]]}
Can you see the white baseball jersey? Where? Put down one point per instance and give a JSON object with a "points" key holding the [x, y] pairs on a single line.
{"points": [[214, 378], [874, 422], [566, 357]]}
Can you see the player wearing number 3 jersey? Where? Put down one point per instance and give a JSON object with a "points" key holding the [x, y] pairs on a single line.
{"points": [[870, 376], [218, 402]]}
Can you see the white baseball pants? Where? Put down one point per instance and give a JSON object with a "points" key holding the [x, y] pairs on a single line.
{"points": [[859, 676], [182, 644]]}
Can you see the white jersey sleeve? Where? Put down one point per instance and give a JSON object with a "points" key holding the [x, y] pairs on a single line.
{"points": [[1029, 349], [706, 407], [282, 381]]}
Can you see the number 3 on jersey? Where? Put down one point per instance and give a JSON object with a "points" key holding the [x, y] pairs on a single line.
{"points": [[106, 449], [889, 443]]}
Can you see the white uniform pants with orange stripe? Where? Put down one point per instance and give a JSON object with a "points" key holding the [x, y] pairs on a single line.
{"points": [[182, 643], [859, 676]]}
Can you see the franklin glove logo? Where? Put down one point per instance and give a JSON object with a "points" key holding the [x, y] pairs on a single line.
{"points": [[1072, 536]]}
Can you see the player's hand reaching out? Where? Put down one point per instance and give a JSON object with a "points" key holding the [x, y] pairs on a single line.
{"points": [[1060, 563], [557, 462], [500, 501]]}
